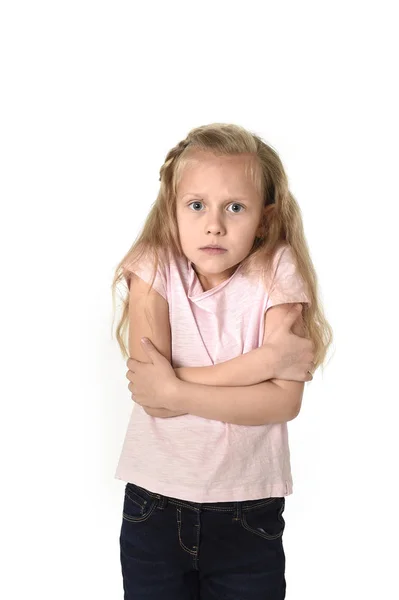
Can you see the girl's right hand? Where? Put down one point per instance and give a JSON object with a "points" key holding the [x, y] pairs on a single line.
{"points": [[293, 353]]}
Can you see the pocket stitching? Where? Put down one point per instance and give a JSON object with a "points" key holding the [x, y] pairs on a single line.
{"points": [[266, 535], [142, 505], [135, 501], [143, 517]]}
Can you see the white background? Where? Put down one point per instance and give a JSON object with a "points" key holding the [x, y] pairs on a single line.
{"points": [[93, 95]]}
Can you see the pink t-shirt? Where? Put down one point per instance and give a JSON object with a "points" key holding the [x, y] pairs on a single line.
{"points": [[198, 459]]}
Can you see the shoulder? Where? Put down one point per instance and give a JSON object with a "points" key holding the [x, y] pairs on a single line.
{"points": [[150, 265], [283, 255], [263, 269]]}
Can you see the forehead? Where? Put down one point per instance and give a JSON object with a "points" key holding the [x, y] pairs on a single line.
{"points": [[203, 172]]}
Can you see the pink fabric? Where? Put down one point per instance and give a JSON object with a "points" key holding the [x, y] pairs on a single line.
{"points": [[203, 460]]}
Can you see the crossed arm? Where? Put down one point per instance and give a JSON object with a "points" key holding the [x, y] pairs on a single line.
{"points": [[233, 391], [223, 392]]}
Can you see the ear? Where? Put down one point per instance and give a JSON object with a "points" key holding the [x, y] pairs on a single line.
{"points": [[260, 232]]}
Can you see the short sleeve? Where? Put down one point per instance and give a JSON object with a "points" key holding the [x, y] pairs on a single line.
{"points": [[287, 284], [143, 267]]}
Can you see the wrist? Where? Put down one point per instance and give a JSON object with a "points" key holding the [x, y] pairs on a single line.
{"points": [[174, 395], [260, 365]]}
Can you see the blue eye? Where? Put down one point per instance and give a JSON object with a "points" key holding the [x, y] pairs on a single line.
{"points": [[236, 204], [233, 204], [196, 202]]}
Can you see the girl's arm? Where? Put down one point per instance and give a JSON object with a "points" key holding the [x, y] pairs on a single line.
{"points": [[274, 401], [247, 369], [157, 329], [243, 370], [282, 354], [250, 368]]}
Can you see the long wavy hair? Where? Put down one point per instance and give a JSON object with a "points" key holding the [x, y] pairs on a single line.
{"points": [[281, 224]]}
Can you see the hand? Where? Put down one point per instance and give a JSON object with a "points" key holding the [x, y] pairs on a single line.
{"points": [[294, 353], [152, 384]]}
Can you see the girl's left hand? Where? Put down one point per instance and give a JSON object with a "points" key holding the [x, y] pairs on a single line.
{"points": [[152, 384]]}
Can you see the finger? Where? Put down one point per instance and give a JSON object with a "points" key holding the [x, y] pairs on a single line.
{"points": [[148, 345], [149, 349]]}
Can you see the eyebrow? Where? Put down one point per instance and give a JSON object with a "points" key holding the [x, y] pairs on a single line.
{"points": [[231, 198]]}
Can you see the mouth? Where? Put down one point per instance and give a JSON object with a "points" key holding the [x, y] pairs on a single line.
{"points": [[213, 249]]}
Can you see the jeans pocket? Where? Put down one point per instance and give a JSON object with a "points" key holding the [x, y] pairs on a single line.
{"points": [[266, 519], [138, 505]]}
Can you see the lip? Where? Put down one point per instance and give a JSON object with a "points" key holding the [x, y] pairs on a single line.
{"points": [[213, 246], [213, 250]]}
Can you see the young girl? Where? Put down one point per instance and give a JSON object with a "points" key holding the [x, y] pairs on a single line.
{"points": [[213, 282]]}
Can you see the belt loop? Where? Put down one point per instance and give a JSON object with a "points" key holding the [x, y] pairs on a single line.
{"points": [[238, 510], [163, 501]]}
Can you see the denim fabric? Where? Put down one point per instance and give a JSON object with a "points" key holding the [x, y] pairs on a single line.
{"points": [[172, 549]]}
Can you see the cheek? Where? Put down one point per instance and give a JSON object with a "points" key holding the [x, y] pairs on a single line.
{"points": [[183, 230], [180, 218], [184, 225], [243, 229], [245, 236]]}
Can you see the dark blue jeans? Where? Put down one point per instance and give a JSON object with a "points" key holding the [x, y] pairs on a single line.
{"points": [[172, 549]]}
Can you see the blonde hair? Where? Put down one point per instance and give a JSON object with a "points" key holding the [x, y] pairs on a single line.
{"points": [[281, 223]]}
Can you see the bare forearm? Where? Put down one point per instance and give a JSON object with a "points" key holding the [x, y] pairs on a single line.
{"points": [[245, 370], [250, 368], [260, 404]]}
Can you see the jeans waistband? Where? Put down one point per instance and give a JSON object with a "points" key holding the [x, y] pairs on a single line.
{"points": [[226, 507]]}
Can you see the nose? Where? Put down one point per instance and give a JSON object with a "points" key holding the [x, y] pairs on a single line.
{"points": [[214, 224]]}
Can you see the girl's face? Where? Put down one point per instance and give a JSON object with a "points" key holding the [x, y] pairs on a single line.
{"points": [[217, 204]]}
